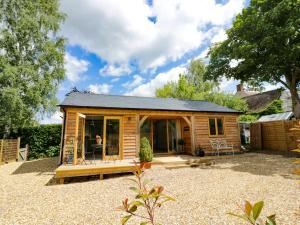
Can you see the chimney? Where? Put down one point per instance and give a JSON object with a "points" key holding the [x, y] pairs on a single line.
{"points": [[240, 87]]}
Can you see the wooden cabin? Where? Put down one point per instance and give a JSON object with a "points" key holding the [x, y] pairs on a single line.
{"points": [[108, 127]]}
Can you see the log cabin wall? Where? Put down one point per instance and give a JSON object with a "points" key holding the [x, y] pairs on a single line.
{"points": [[70, 132], [130, 136], [130, 121], [230, 125]]}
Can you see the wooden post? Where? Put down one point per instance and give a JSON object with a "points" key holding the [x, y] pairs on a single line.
{"points": [[76, 140], [62, 139], [167, 124], [138, 135], [1, 151], [18, 148], [192, 128], [26, 153], [101, 176]]}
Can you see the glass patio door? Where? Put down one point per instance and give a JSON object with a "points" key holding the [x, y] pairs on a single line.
{"points": [[112, 144]]}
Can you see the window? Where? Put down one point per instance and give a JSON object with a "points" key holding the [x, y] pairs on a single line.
{"points": [[216, 126]]}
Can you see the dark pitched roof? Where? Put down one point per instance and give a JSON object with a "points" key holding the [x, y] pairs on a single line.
{"points": [[77, 99], [259, 102]]}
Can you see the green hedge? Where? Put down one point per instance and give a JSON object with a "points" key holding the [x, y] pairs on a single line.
{"points": [[43, 140]]}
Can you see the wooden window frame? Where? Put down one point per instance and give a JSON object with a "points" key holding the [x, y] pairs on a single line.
{"points": [[216, 126]]}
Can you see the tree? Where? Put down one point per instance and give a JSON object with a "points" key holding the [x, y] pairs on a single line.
{"points": [[195, 75], [191, 86], [262, 46], [31, 60]]}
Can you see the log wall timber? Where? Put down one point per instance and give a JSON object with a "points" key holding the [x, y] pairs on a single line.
{"points": [[129, 136], [9, 150], [132, 118], [231, 130]]}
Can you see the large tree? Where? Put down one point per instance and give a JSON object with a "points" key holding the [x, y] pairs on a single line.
{"points": [[192, 86], [263, 45], [31, 60]]}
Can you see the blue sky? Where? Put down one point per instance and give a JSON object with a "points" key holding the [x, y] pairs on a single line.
{"points": [[132, 47]]}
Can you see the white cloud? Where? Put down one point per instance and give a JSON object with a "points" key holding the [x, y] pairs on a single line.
{"points": [[219, 36], [75, 67], [55, 118], [148, 89], [203, 54], [120, 31], [269, 86], [100, 88], [115, 80], [137, 80], [228, 85], [115, 70]]}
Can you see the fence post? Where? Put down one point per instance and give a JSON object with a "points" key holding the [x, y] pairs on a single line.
{"points": [[18, 148], [1, 151], [27, 151]]}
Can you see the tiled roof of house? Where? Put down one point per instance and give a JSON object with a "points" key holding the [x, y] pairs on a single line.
{"points": [[78, 99], [259, 102]]}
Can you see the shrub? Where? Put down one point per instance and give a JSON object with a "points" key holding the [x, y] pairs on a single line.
{"points": [[146, 198], [146, 154], [251, 214], [248, 118], [43, 140], [53, 151]]}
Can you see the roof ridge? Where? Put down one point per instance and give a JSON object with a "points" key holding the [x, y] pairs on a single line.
{"points": [[278, 89], [132, 96]]}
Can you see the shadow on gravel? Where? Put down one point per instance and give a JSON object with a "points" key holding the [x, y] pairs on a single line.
{"points": [[265, 164], [82, 179], [40, 166]]}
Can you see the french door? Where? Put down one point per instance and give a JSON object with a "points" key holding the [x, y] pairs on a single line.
{"points": [[112, 138]]}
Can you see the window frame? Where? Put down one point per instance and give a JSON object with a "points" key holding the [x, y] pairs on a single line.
{"points": [[216, 126]]}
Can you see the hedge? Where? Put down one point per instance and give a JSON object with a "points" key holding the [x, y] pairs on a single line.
{"points": [[43, 140]]}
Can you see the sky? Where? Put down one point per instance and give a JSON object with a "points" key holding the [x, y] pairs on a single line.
{"points": [[133, 47]]}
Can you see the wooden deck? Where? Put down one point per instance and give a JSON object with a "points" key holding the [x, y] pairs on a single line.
{"points": [[98, 167]]}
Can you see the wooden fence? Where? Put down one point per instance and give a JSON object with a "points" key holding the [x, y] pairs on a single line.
{"points": [[9, 150], [274, 135]]}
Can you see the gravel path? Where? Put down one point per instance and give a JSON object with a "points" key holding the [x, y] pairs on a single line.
{"points": [[28, 194]]}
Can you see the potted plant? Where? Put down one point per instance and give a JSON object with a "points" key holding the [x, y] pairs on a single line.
{"points": [[146, 154], [199, 152]]}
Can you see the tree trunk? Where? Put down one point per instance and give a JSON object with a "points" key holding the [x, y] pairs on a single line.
{"points": [[292, 85], [295, 103]]}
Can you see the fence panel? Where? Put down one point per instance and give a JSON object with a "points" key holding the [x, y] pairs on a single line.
{"points": [[9, 150], [255, 136], [274, 135]]}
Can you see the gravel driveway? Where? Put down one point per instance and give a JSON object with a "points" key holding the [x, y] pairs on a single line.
{"points": [[28, 194]]}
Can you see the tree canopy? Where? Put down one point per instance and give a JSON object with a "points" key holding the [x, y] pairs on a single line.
{"points": [[192, 86], [263, 45], [31, 60]]}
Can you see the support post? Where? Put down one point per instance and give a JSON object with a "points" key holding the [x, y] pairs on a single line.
{"points": [[76, 140], [101, 176], [138, 135], [61, 180], [192, 128], [18, 148]]}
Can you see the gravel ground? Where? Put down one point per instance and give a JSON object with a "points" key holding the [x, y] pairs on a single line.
{"points": [[28, 194]]}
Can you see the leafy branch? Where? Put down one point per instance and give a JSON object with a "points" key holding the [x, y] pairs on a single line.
{"points": [[148, 199]]}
